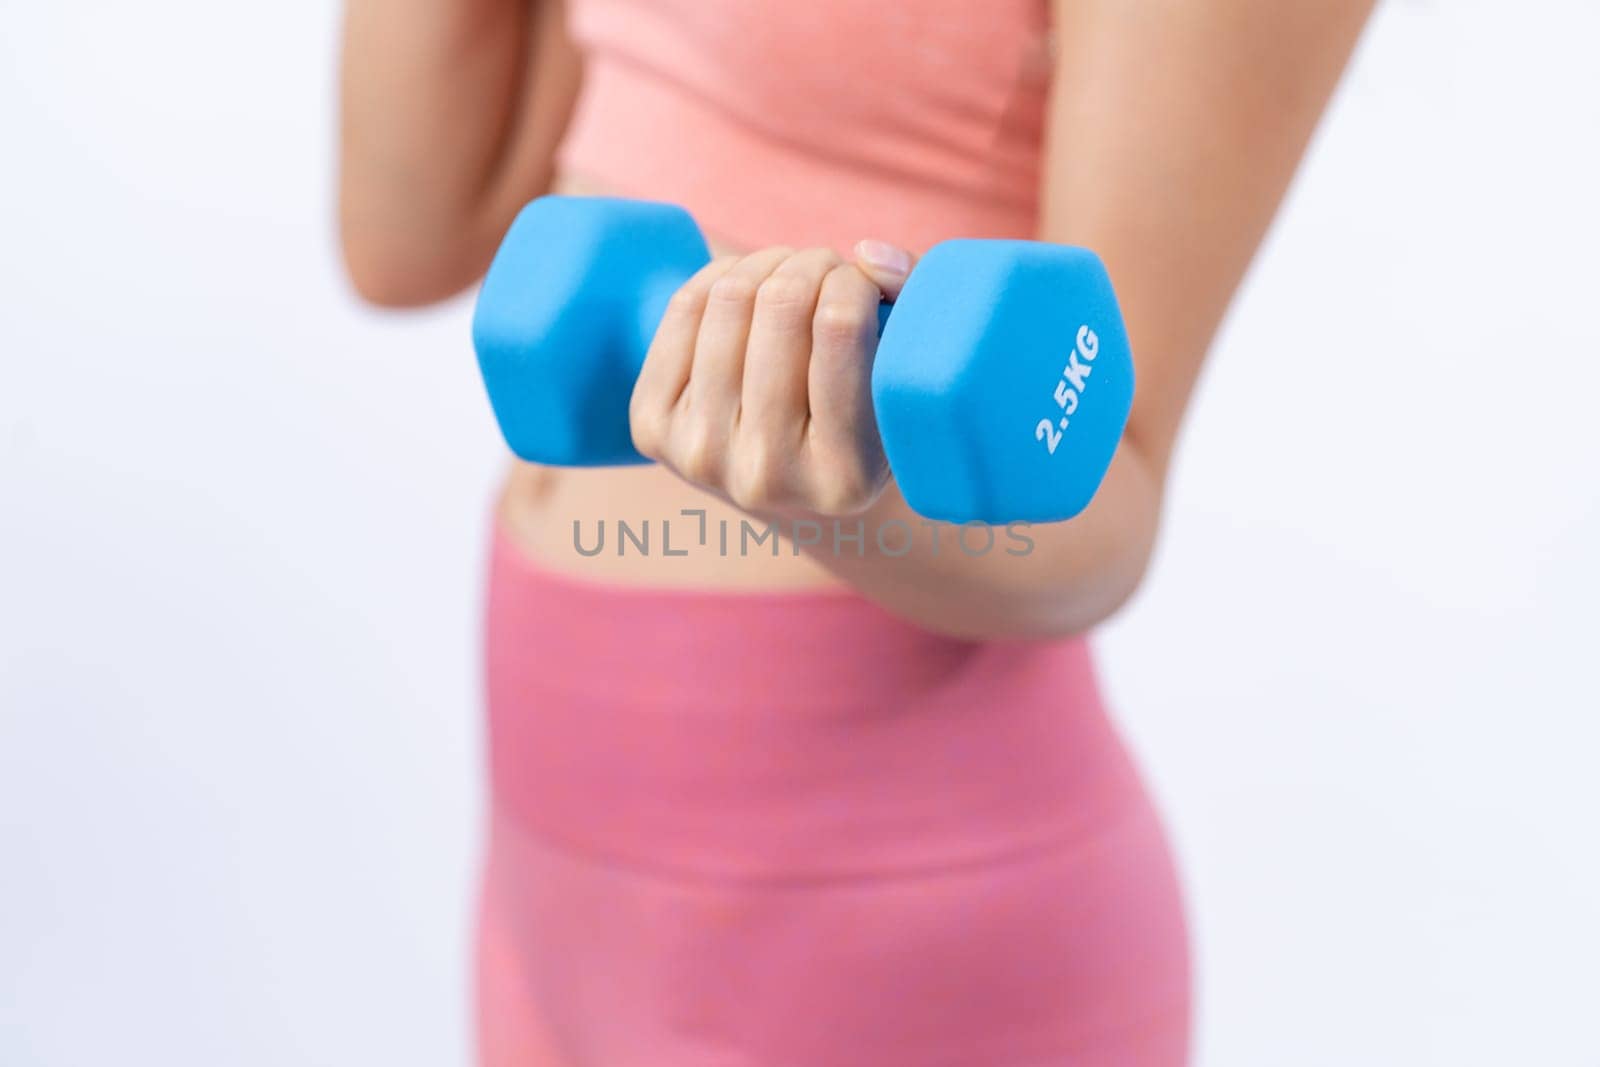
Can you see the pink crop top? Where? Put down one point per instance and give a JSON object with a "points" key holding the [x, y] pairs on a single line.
{"points": [[736, 109]]}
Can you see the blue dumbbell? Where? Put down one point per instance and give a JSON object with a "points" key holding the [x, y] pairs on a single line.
{"points": [[1001, 385]]}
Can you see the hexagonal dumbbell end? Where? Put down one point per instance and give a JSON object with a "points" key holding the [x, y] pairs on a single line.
{"points": [[566, 315], [1003, 381]]}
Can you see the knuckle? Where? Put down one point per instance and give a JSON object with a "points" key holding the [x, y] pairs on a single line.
{"points": [[695, 454], [733, 290], [834, 498], [845, 490], [756, 480], [688, 302], [648, 424], [786, 292], [841, 322]]}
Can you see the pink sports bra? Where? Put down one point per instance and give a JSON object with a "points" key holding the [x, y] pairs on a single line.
{"points": [[736, 109]]}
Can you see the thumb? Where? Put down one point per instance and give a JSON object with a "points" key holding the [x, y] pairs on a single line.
{"points": [[887, 265]]}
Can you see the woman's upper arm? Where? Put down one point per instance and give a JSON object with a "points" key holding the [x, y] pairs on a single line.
{"points": [[1175, 128], [451, 114]]}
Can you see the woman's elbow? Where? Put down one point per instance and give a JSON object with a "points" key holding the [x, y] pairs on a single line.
{"points": [[1092, 604], [1078, 588], [389, 267], [385, 279]]}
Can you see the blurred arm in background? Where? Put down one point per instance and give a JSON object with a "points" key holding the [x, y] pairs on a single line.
{"points": [[451, 114]]}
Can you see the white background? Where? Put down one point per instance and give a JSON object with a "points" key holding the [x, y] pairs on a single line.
{"points": [[242, 524]]}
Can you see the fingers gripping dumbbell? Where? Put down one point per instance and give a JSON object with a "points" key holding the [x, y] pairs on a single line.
{"points": [[1001, 385]]}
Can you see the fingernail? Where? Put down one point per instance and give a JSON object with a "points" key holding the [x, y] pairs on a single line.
{"points": [[885, 257]]}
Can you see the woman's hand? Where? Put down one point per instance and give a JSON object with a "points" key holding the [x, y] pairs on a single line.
{"points": [[758, 384]]}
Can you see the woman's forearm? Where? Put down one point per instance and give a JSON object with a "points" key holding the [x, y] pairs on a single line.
{"points": [[1175, 130], [982, 583], [451, 111]]}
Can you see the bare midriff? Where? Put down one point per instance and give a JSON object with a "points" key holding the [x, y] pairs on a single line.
{"points": [[555, 516]]}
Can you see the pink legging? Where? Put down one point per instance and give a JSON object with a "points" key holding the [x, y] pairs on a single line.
{"points": [[789, 830]]}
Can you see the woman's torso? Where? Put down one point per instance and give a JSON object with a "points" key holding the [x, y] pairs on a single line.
{"points": [[732, 828]]}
